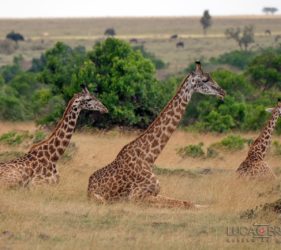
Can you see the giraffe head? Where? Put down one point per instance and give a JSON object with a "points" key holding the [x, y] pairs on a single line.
{"points": [[88, 101], [275, 109], [203, 83]]}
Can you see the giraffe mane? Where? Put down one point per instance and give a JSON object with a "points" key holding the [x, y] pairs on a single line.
{"points": [[59, 123]]}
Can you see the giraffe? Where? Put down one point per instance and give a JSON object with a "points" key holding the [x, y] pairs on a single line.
{"points": [[130, 176], [254, 165], [38, 166]]}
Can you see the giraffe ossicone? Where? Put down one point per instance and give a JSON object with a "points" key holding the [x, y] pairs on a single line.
{"points": [[254, 166], [130, 176], [38, 166]]}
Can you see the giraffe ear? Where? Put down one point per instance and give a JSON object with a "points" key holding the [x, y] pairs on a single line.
{"points": [[84, 89], [269, 110]]}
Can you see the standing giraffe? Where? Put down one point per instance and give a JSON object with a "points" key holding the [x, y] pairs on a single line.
{"points": [[38, 166], [130, 175], [254, 165]]}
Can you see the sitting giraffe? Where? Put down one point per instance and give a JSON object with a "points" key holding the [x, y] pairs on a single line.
{"points": [[254, 165], [130, 175], [38, 166]]}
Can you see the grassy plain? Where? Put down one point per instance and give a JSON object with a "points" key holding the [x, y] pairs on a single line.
{"points": [[61, 217], [153, 33]]}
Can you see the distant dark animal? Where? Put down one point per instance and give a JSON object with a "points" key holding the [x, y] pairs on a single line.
{"points": [[268, 32], [173, 37], [133, 40], [180, 44], [110, 32], [15, 36]]}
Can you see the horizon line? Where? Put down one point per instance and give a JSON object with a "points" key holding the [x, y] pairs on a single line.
{"points": [[168, 16]]}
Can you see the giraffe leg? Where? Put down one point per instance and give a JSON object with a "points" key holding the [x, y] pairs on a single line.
{"points": [[42, 180], [143, 194], [97, 198]]}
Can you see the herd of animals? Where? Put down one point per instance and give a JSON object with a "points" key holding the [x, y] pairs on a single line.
{"points": [[130, 176]]}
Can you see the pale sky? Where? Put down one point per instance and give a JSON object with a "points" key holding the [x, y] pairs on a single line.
{"points": [[105, 8]]}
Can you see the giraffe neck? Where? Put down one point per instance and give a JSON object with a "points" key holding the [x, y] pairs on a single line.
{"points": [[261, 144], [53, 147], [154, 139]]}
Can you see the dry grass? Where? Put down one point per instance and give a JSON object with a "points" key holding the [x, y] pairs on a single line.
{"points": [[61, 217], [41, 34]]}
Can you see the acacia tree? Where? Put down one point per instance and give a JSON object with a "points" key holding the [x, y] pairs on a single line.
{"points": [[206, 21], [242, 37], [269, 10]]}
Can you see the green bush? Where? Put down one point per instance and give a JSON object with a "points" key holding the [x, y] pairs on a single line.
{"points": [[194, 151], [14, 138], [158, 63], [212, 152], [217, 122], [265, 70], [237, 58], [231, 143], [125, 81]]}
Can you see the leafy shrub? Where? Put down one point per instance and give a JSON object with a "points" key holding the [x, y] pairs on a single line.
{"points": [[217, 122], [59, 66], [255, 118], [212, 152], [14, 138], [159, 64], [265, 70], [194, 151], [242, 37], [237, 58], [231, 143], [125, 81]]}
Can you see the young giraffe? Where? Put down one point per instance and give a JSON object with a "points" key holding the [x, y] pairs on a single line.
{"points": [[254, 165], [38, 166], [130, 175]]}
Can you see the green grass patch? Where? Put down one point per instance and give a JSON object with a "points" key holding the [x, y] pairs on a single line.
{"points": [[194, 151], [230, 143], [181, 172], [14, 138]]}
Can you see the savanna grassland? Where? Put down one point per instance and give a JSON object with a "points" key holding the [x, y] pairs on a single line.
{"points": [[61, 217], [153, 33]]}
